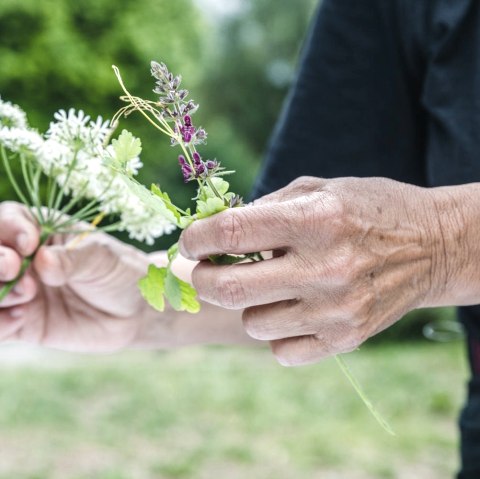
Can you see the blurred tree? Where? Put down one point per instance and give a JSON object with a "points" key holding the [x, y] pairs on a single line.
{"points": [[250, 65], [58, 54]]}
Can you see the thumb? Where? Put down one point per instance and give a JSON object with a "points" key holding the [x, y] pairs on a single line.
{"points": [[58, 265], [54, 265]]}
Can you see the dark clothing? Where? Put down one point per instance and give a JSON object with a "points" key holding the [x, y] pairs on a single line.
{"points": [[389, 88]]}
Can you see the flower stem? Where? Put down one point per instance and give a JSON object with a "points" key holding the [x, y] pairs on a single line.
{"points": [[212, 186], [11, 178], [356, 385]]}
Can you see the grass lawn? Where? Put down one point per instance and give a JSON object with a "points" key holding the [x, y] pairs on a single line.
{"points": [[212, 413]]}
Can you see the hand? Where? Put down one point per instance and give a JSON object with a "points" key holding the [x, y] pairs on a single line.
{"points": [[82, 299], [351, 257]]}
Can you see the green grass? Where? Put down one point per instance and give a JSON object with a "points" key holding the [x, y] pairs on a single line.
{"points": [[231, 413]]}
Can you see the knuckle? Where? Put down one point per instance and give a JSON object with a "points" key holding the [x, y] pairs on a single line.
{"points": [[230, 291], [356, 334], [351, 266], [229, 231], [353, 340], [332, 208], [304, 182], [360, 304]]}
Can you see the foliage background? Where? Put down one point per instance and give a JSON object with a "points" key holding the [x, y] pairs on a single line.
{"points": [[238, 58], [58, 54]]}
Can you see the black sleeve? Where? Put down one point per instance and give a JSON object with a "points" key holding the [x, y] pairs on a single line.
{"points": [[353, 110]]}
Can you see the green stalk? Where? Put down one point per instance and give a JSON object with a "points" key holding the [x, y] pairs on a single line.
{"points": [[51, 193], [61, 194], [11, 178], [356, 385], [210, 183], [33, 192]]}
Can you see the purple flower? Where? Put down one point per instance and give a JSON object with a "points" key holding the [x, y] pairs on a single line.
{"points": [[182, 161], [211, 164], [187, 173], [201, 135], [197, 159], [187, 137], [199, 169]]}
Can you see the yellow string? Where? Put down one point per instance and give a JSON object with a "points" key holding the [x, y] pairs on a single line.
{"points": [[78, 239]]}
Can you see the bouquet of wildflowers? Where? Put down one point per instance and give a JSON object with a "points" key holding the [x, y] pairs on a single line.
{"points": [[75, 175]]}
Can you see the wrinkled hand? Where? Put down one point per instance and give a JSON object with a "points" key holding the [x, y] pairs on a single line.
{"points": [[351, 257], [81, 299]]}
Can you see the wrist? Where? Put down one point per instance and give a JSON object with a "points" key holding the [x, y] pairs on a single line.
{"points": [[456, 253]]}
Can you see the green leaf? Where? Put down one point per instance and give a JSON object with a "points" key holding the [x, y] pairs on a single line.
{"points": [[161, 282], [180, 294], [185, 221], [154, 202], [206, 192], [155, 189], [126, 147], [152, 287], [172, 291], [189, 295], [209, 207]]}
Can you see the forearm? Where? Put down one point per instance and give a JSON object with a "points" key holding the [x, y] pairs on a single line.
{"points": [[172, 329]]}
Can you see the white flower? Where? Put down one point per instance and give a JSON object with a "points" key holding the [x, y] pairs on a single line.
{"points": [[74, 154], [12, 116], [133, 166], [76, 130], [19, 140]]}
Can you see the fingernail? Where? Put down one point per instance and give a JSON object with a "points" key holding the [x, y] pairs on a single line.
{"points": [[19, 289], [22, 241], [16, 312]]}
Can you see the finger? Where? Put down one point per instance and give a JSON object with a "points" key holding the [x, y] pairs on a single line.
{"points": [[298, 187], [17, 228], [240, 231], [299, 351], [278, 320], [243, 285], [23, 292], [11, 322], [10, 264], [333, 337]]}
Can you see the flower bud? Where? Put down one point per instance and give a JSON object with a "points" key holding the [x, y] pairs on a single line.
{"points": [[187, 173], [211, 164], [197, 158], [199, 168]]}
